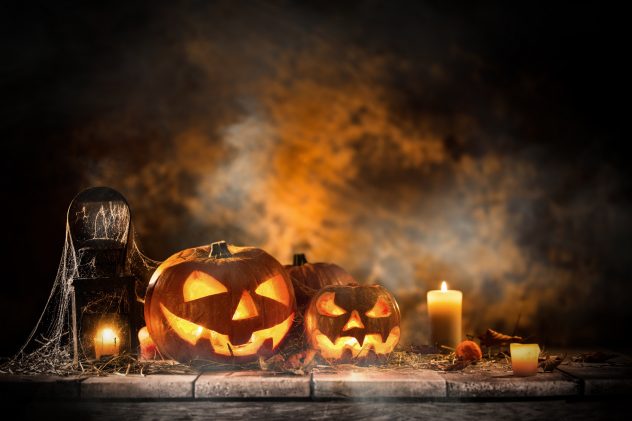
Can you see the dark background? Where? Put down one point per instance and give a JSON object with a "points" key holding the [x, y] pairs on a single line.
{"points": [[407, 141]]}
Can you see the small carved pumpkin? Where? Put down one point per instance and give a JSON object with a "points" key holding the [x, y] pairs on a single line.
{"points": [[353, 322], [308, 278], [219, 302]]}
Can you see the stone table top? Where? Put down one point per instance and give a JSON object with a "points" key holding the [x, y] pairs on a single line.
{"points": [[569, 380]]}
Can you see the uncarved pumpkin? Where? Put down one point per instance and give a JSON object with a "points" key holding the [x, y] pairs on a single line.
{"points": [[308, 278], [219, 302], [353, 323]]}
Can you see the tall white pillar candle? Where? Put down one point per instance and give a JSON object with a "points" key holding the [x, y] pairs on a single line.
{"points": [[444, 311]]}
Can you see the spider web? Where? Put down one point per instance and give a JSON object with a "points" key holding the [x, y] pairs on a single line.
{"points": [[96, 240]]}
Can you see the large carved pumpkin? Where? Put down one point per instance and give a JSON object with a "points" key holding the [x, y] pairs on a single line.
{"points": [[353, 322], [308, 278], [219, 302]]}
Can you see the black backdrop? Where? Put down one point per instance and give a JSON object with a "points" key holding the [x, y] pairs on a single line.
{"points": [[555, 69]]}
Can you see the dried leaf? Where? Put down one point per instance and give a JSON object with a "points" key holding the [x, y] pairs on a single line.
{"points": [[298, 363], [294, 362], [309, 360], [273, 363], [550, 362], [493, 338]]}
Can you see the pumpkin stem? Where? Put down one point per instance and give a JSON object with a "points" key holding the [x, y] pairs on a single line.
{"points": [[219, 250], [299, 259]]}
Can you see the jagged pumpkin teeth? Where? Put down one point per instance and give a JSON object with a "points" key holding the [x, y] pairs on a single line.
{"points": [[346, 322]]}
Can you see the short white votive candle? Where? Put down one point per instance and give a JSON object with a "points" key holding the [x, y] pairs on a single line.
{"points": [[524, 359]]}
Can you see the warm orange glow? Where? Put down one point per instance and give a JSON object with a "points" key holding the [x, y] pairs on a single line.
{"points": [[524, 359], [143, 336], [106, 342], [327, 307], [192, 333], [246, 309], [381, 309], [108, 335], [199, 285], [148, 350], [277, 333], [185, 329], [371, 341], [444, 313], [275, 288], [354, 322]]}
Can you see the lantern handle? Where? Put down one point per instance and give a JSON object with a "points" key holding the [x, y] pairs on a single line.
{"points": [[219, 250]]}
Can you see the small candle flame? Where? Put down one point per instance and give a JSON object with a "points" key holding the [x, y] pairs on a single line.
{"points": [[108, 334], [444, 287]]}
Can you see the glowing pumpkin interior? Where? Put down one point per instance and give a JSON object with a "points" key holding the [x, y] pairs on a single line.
{"points": [[202, 308], [353, 322]]}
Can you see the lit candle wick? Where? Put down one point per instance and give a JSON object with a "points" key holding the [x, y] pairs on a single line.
{"points": [[444, 287], [106, 342], [108, 335]]}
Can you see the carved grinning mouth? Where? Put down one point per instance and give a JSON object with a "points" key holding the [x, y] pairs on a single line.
{"points": [[192, 333], [371, 341]]}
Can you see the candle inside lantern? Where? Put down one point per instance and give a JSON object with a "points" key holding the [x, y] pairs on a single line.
{"points": [[524, 359], [444, 311], [106, 342], [148, 348]]}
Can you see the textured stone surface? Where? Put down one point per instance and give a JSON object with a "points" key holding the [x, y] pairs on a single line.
{"points": [[367, 383], [251, 384], [571, 379], [503, 384], [602, 380], [139, 387], [40, 386]]}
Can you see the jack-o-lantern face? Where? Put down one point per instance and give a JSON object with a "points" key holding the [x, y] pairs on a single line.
{"points": [[219, 302], [351, 322]]}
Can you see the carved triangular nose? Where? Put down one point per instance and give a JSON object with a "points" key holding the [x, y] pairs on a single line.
{"points": [[246, 309], [354, 321]]}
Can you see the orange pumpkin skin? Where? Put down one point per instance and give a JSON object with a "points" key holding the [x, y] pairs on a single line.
{"points": [[308, 278], [468, 351], [220, 303], [353, 323]]}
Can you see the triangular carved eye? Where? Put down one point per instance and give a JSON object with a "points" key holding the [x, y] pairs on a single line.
{"points": [[327, 307], [199, 285], [275, 289], [382, 308]]}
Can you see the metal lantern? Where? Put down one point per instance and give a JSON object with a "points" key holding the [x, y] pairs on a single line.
{"points": [[105, 313]]}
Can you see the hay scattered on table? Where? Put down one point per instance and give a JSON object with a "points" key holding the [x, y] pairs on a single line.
{"points": [[127, 364], [124, 364], [443, 362]]}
